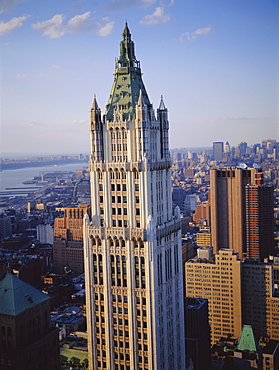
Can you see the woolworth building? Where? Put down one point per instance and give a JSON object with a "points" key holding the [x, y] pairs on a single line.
{"points": [[132, 242]]}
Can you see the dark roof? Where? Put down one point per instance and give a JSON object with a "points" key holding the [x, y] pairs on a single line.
{"points": [[17, 296]]}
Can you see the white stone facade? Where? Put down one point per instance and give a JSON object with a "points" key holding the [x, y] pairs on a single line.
{"points": [[132, 244]]}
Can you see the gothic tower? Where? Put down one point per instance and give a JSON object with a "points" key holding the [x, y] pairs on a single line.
{"points": [[132, 244]]}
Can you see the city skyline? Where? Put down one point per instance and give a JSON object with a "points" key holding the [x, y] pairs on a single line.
{"points": [[214, 63]]}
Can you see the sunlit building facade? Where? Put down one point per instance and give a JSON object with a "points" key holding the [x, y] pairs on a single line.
{"points": [[132, 243]]}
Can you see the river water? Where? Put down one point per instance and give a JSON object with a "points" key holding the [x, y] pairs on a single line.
{"points": [[14, 178]]}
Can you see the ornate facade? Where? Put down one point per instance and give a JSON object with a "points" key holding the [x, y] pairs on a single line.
{"points": [[132, 244]]}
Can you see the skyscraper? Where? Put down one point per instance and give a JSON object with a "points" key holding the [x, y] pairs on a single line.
{"points": [[218, 150], [259, 221], [227, 202], [241, 212], [132, 246]]}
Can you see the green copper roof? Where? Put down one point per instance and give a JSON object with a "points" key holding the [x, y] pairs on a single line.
{"points": [[127, 82], [76, 355], [247, 340], [17, 296]]}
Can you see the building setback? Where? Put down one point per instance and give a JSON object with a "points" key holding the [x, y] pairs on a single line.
{"points": [[133, 269]]}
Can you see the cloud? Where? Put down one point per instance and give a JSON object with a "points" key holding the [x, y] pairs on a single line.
{"points": [[157, 17], [79, 122], [54, 66], [106, 29], [55, 28], [7, 5], [52, 28], [126, 4], [7, 27], [21, 76], [80, 23], [193, 35]]}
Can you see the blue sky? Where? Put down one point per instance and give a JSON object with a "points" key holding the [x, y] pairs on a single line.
{"points": [[215, 62]]}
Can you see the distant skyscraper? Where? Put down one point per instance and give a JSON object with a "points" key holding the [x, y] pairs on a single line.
{"points": [[133, 269], [227, 148], [68, 240], [242, 148], [218, 150]]}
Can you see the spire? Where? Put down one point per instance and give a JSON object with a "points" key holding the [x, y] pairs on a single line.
{"points": [[94, 103], [126, 33], [127, 56], [162, 104], [128, 81]]}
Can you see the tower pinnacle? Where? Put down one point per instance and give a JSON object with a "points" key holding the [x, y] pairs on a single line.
{"points": [[162, 104], [128, 81]]}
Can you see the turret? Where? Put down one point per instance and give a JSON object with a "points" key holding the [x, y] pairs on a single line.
{"points": [[96, 132], [95, 113], [162, 116]]}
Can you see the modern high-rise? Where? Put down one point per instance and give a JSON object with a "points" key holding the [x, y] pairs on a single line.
{"points": [[259, 221], [132, 244], [227, 207], [241, 209]]}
